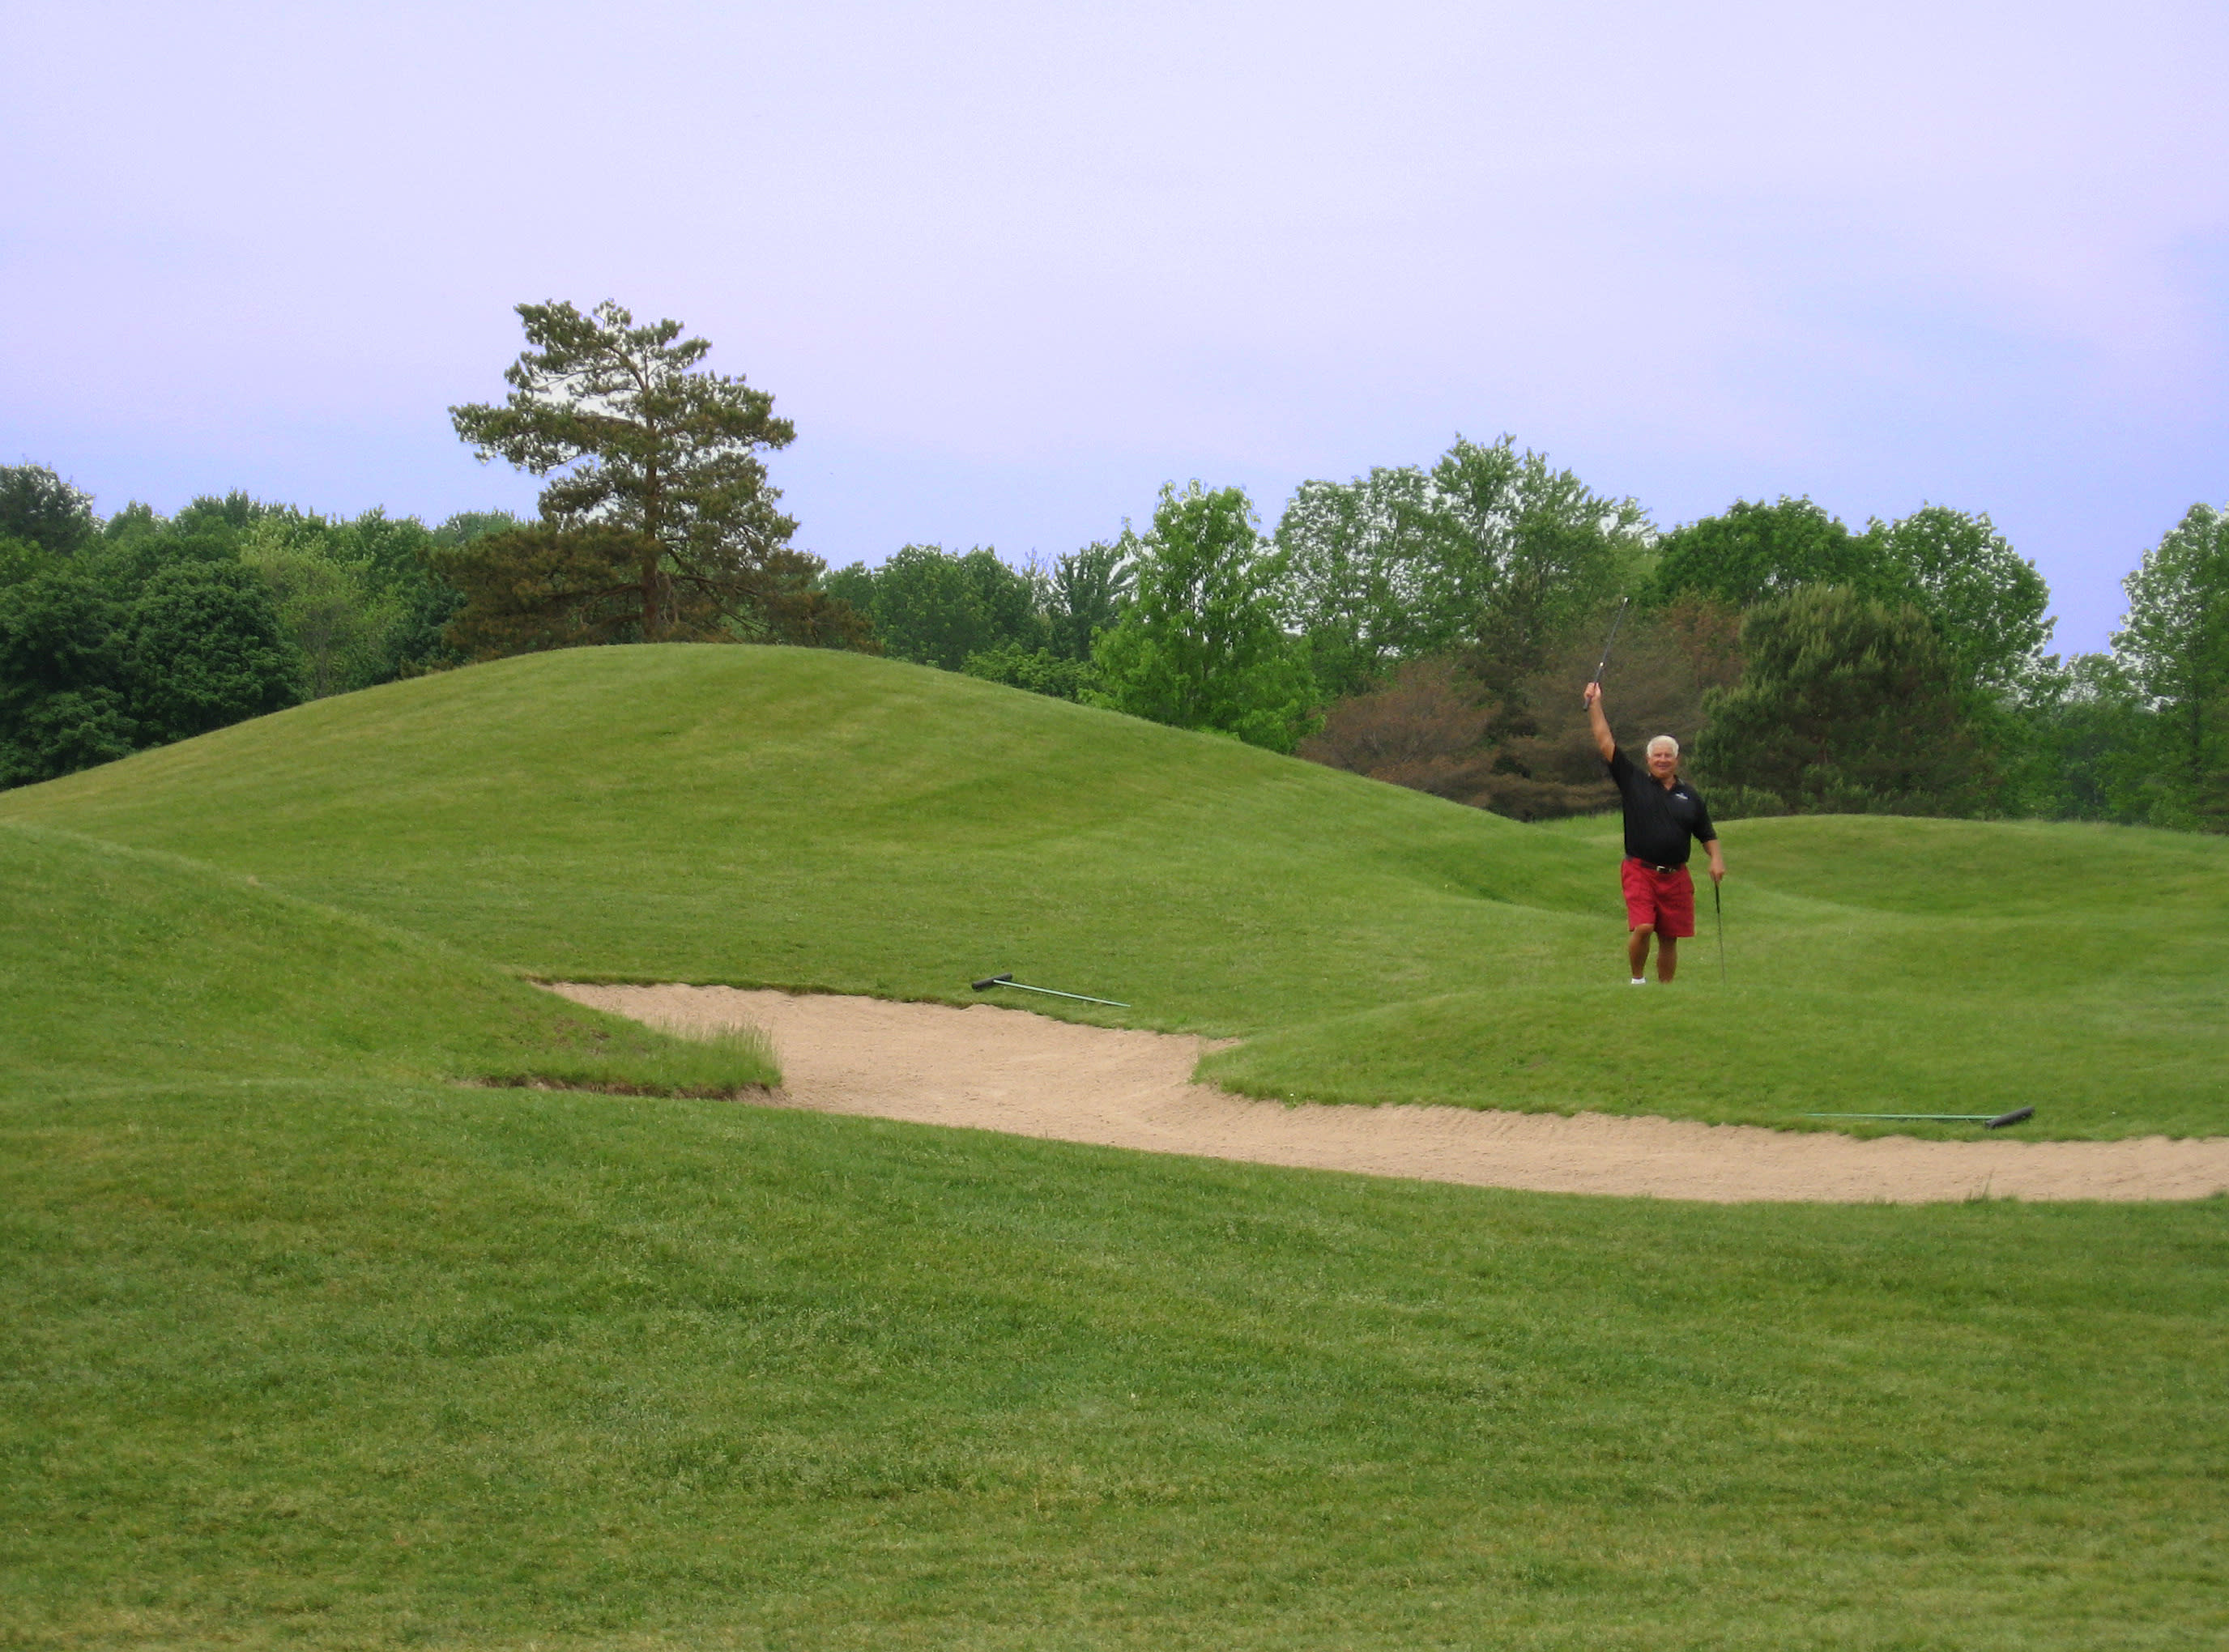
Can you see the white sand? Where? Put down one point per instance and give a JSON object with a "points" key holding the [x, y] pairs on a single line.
{"points": [[988, 1068]]}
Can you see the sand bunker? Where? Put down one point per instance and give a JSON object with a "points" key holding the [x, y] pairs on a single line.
{"points": [[1006, 1070]]}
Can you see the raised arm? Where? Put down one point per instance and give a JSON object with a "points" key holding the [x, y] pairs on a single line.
{"points": [[1605, 742]]}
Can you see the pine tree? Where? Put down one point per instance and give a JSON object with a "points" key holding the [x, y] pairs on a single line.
{"points": [[1847, 706], [652, 446]]}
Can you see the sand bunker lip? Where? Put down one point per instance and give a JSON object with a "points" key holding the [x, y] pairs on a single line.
{"points": [[988, 1068]]}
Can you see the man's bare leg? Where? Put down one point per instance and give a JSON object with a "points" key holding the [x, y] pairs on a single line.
{"points": [[1667, 957], [1636, 951]]}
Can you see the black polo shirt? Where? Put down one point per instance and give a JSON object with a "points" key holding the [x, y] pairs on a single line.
{"points": [[1659, 821]]}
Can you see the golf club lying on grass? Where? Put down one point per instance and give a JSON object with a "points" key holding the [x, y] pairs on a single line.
{"points": [[991, 981], [1983, 1119]]}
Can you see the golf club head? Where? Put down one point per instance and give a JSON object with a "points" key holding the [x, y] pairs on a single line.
{"points": [[2011, 1117], [991, 981]]}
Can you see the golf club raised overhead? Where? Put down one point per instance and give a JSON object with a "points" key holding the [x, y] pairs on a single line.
{"points": [[1616, 620], [991, 981]]}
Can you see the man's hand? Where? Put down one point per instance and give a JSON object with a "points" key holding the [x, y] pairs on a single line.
{"points": [[1718, 862], [1604, 742]]}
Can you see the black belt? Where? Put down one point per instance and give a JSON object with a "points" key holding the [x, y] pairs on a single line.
{"points": [[1653, 866]]}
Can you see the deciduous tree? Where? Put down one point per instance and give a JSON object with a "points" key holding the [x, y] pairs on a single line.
{"points": [[1754, 551], [1203, 643], [205, 649], [1493, 554], [1426, 730], [1986, 600], [1085, 593], [39, 508], [2173, 646], [65, 699], [937, 607]]}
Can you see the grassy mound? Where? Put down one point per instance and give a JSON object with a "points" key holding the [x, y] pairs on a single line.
{"points": [[807, 819], [395, 1366], [1876, 965], [304, 1344], [121, 968], [796, 817]]}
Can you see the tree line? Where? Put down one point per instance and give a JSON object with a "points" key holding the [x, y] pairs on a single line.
{"points": [[141, 629], [1426, 625]]}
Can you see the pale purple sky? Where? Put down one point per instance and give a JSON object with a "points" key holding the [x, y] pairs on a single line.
{"points": [[1010, 267]]}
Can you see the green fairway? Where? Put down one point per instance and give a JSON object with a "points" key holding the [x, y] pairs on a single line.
{"points": [[378, 1365], [121, 969], [306, 1343], [818, 820]]}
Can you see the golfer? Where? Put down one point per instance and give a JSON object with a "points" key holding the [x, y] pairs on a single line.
{"points": [[1662, 813]]}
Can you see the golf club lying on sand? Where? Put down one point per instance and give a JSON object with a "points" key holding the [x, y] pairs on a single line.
{"points": [[1983, 1119], [991, 981]]}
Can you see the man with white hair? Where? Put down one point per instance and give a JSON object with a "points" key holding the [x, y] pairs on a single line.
{"points": [[1662, 814]]}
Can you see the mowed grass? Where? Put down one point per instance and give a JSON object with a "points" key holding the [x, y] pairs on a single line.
{"points": [[1872, 965], [379, 1365], [120, 968], [304, 1343], [804, 818], [788, 817]]}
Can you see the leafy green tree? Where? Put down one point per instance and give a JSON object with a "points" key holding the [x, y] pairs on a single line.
{"points": [[39, 508], [1075, 601], [225, 517], [205, 649], [469, 525], [1847, 706], [938, 607], [358, 600], [1986, 600], [1085, 592], [1492, 554], [326, 607], [1527, 552], [1356, 554], [1203, 644], [643, 442], [136, 521], [137, 544], [1756, 551], [1039, 670], [2083, 757], [2173, 646], [65, 701], [19, 560]]}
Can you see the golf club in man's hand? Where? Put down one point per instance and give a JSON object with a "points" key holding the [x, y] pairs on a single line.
{"points": [[1616, 620]]}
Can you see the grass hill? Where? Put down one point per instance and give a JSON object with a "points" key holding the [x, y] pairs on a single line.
{"points": [[304, 1344], [816, 820], [121, 969]]}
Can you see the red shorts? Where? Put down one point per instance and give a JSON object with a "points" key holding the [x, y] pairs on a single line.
{"points": [[1663, 901]]}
